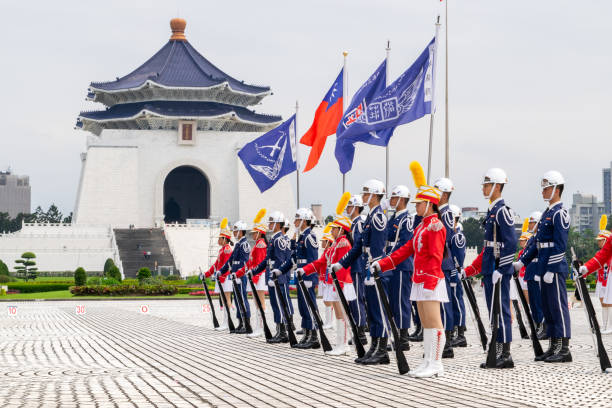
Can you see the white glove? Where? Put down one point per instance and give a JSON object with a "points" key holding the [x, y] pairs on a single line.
{"points": [[238, 281], [536, 278], [369, 281], [336, 267], [300, 271], [548, 277], [271, 283], [233, 276], [308, 284], [583, 271], [276, 272], [495, 277], [249, 273], [518, 265], [201, 276], [462, 274], [216, 274], [376, 267]]}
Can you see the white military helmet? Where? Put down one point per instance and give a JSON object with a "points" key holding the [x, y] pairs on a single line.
{"points": [[240, 226], [455, 210], [373, 186], [535, 216], [552, 178], [276, 216], [355, 201], [400, 191], [303, 214], [495, 176], [444, 184]]}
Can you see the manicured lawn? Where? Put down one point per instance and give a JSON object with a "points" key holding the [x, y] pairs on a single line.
{"points": [[65, 294]]}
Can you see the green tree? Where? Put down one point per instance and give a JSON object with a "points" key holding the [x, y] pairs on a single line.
{"points": [[474, 233], [114, 273], [39, 215], [143, 273], [584, 244], [68, 219], [26, 266], [329, 219], [107, 265], [80, 277], [54, 215], [3, 269]]}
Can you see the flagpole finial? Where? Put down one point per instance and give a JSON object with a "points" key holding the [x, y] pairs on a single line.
{"points": [[345, 53], [388, 44]]}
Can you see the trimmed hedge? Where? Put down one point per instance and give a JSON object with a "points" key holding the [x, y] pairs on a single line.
{"points": [[80, 277], [123, 290], [23, 287]]}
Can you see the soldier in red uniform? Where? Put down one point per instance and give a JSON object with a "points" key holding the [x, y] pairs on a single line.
{"points": [[225, 251], [257, 255]]}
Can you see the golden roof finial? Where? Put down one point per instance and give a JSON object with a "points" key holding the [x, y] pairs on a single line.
{"points": [[177, 25]]}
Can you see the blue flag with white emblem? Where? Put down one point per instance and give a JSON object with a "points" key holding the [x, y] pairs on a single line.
{"points": [[407, 99], [345, 147], [271, 156]]}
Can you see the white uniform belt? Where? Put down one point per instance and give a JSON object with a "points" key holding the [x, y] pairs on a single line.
{"points": [[302, 260], [491, 244], [534, 260], [545, 245]]}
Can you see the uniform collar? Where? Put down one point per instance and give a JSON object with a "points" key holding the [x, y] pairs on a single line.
{"points": [[401, 212], [374, 209], [241, 239], [440, 207], [276, 234], [494, 203], [550, 207], [429, 218]]}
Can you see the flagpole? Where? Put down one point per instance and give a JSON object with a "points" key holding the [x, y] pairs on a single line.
{"points": [[297, 155], [344, 103], [433, 88], [447, 160], [388, 49]]}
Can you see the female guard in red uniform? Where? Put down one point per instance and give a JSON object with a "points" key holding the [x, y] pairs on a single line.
{"points": [[225, 250], [326, 244], [340, 230], [428, 287]]}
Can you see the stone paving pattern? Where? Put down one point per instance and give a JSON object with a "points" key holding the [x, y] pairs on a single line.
{"points": [[116, 356]]}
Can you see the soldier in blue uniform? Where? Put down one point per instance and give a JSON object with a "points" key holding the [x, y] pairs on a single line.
{"points": [[399, 231], [279, 250], [305, 249], [236, 261], [353, 210], [445, 185], [372, 248], [550, 245], [500, 233], [457, 249], [533, 281]]}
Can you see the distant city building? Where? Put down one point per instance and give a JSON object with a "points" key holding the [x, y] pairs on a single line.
{"points": [[585, 212], [317, 210], [607, 189], [473, 212], [15, 194]]}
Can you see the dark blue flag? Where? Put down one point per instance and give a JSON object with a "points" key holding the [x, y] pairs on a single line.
{"points": [[407, 99], [345, 147], [271, 156]]}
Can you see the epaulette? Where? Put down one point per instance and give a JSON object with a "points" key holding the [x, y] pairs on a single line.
{"points": [[435, 225], [342, 243], [261, 244], [227, 249]]}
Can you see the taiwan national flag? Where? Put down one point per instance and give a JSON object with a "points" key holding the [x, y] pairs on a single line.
{"points": [[325, 122], [271, 156], [345, 147], [407, 99]]}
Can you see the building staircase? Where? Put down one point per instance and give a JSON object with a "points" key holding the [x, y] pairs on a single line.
{"points": [[133, 243]]}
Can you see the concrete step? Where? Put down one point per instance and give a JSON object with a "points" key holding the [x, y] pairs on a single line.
{"points": [[133, 243]]}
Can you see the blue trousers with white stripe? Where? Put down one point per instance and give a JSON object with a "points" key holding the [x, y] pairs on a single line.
{"points": [[399, 297], [275, 302], [376, 313], [357, 306], [456, 296], [240, 290], [504, 334], [447, 308], [555, 307], [535, 300], [307, 322]]}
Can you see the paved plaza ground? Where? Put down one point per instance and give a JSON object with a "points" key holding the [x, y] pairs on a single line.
{"points": [[115, 355]]}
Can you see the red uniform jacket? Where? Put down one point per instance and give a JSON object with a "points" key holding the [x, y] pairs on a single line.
{"points": [[257, 255], [427, 246], [335, 253], [522, 271], [601, 258], [222, 257]]}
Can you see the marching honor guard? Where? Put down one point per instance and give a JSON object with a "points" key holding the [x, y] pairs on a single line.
{"points": [[371, 248], [533, 280], [427, 245], [446, 187], [550, 245], [305, 249], [354, 211], [601, 263], [257, 255], [340, 231], [225, 251], [457, 249], [500, 240], [400, 229], [278, 252]]}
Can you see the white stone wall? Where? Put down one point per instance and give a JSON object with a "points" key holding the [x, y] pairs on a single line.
{"points": [[124, 172], [189, 245]]}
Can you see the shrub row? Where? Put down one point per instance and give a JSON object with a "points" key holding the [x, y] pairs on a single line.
{"points": [[37, 287], [123, 290]]}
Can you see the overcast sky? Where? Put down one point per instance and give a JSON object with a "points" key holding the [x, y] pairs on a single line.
{"points": [[529, 82]]}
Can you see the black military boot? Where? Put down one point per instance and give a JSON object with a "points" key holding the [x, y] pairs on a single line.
{"points": [[276, 337], [239, 327], [448, 348], [284, 337], [498, 352], [242, 328], [313, 341], [505, 360], [542, 332], [371, 350], [380, 356], [460, 340], [562, 353], [417, 334], [292, 325], [304, 339], [404, 343], [549, 352]]}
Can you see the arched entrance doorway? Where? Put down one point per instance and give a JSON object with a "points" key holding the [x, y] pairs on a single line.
{"points": [[186, 195]]}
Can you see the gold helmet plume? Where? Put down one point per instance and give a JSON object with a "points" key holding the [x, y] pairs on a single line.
{"points": [[260, 214], [418, 174], [603, 222], [327, 228], [525, 225], [343, 203], [223, 223], [424, 192]]}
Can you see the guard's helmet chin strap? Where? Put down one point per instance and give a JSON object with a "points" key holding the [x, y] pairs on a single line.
{"points": [[488, 197], [552, 193]]}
